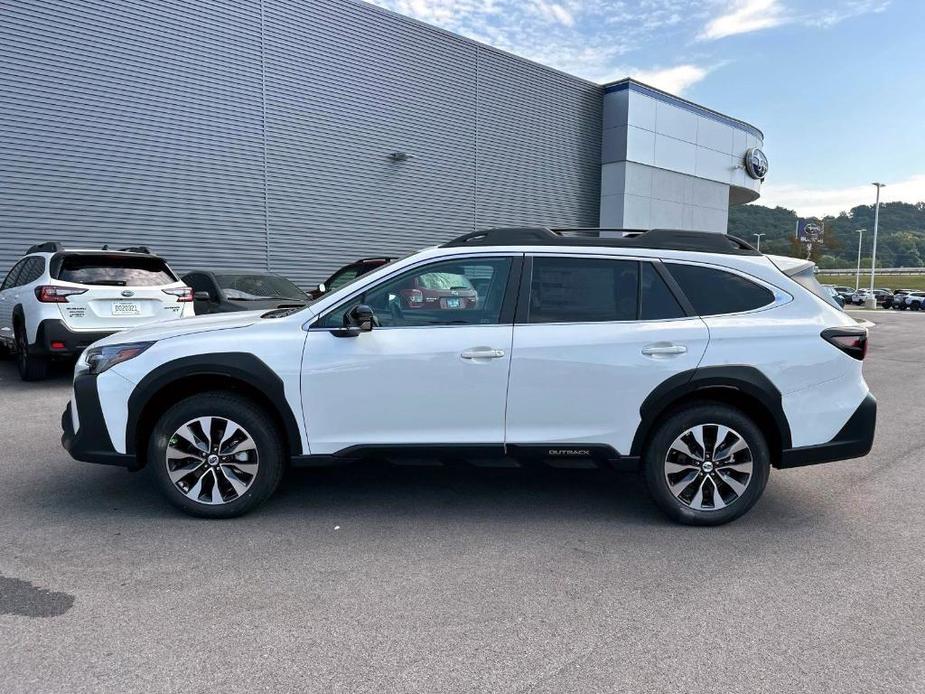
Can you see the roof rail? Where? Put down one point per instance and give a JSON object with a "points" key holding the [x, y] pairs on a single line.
{"points": [[661, 239], [129, 249], [46, 247]]}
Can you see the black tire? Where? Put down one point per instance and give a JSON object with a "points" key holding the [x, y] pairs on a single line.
{"points": [[674, 425], [240, 410], [31, 367]]}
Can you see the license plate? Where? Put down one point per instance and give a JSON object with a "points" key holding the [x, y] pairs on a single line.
{"points": [[453, 303], [125, 308]]}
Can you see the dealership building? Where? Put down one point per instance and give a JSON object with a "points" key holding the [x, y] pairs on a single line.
{"points": [[297, 135]]}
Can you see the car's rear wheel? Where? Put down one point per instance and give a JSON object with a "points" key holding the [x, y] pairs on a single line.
{"points": [[216, 455], [31, 367], [707, 464]]}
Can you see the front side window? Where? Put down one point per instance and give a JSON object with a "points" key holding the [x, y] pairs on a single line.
{"points": [[712, 291], [116, 271], [342, 278], [583, 290], [467, 291]]}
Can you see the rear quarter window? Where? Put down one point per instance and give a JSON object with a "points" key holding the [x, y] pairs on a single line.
{"points": [[114, 270], [713, 292]]}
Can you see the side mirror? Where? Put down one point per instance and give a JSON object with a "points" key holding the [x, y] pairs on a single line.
{"points": [[362, 317], [202, 296], [359, 319]]}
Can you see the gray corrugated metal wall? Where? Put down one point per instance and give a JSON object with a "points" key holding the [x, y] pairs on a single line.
{"points": [[237, 133]]}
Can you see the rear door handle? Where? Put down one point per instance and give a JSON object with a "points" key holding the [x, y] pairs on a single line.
{"points": [[663, 349], [482, 353]]}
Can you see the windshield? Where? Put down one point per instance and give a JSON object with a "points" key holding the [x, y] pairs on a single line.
{"points": [[115, 270], [259, 287]]}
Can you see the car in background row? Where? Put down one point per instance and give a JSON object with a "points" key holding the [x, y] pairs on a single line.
{"points": [[899, 299], [348, 273], [223, 291], [844, 292], [880, 295], [914, 300], [54, 301]]}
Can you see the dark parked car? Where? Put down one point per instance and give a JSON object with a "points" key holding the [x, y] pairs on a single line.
{"points": [[221, 291], [348, 273]]}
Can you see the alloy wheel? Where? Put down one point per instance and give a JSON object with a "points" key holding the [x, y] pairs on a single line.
{"points": [[212, 460], [708, 467]]}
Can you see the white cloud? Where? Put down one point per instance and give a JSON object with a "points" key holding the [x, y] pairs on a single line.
{"points": [[673, 79], [744, 16], [815, 201], [554, 12]]}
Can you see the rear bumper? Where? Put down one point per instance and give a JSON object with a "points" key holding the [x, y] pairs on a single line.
{"points": [[854, 440], [67, 342], [91, 442]]}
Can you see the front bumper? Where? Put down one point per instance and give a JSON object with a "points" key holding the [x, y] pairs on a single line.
{"points": [[91, 442], [854, 440], [52, 331]]}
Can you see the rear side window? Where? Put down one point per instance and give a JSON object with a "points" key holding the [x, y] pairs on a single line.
{"points": [[31, 271], [12, 277], [114, 270], [712, 291], [656, 300], [583, 290]]}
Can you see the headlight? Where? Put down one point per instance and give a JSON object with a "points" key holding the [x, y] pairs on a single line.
{"points": [[98, 359]]}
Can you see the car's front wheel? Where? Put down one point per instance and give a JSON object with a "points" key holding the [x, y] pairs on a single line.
{"points": [[707, 464], [216, 455]]}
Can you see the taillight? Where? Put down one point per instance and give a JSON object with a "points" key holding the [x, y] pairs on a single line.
{"points": [[851, 341], [49, 294], [182, 293]]}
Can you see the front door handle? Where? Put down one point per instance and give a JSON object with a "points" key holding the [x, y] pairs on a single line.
{"points": [[482, 353], [663, 349]]}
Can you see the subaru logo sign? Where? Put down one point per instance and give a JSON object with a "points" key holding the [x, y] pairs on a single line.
{"points": [[756, 163], [128, 293]]}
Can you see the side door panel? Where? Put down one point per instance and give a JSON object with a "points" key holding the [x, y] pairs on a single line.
{"points": [[584, 380], [584, 383], [433, 372]]}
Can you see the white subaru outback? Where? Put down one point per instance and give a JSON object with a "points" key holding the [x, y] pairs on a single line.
{"points": [[688, 354], [54, 302]]}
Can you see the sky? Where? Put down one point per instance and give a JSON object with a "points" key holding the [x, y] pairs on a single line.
{"points": [[837, 86]]}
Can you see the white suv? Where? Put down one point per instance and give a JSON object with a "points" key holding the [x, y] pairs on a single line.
{"points": [[54, 302], [689, 354]]}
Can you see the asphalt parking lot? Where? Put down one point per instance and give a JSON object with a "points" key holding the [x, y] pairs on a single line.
{"points": [[378, 579]]}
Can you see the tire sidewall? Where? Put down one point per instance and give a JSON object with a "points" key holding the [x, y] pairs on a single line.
{"points": [[672, 427], [243, 412]]}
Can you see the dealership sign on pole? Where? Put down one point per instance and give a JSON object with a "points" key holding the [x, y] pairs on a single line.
{"points": [[810, 231]]}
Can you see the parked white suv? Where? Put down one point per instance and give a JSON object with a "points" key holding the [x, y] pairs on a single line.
{"points": [[688, 353], [54, 302]]}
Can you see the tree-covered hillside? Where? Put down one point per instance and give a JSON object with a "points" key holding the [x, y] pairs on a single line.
{"points": [[900, 239]]}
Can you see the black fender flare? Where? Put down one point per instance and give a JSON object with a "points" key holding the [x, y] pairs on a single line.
{"points": [[240, 366], [741, 378]]}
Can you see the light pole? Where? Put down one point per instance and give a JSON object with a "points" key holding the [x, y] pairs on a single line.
{"points": [[758, 236], [873, 253], [857, 277]]}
